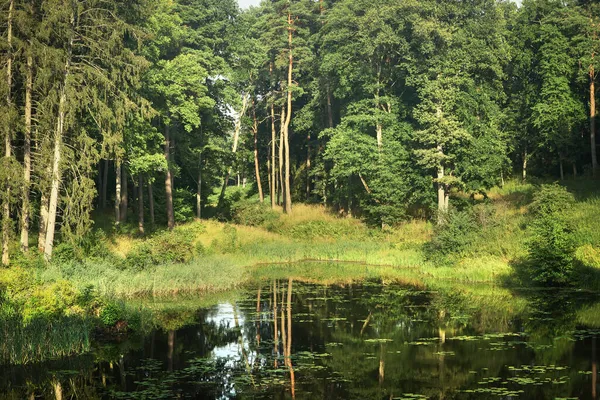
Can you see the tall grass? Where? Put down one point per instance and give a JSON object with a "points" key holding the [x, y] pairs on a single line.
{"points": [[221, 256], [41, 339]]}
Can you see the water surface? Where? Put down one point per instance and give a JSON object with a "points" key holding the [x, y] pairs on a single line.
{"points": [[286, 339]]}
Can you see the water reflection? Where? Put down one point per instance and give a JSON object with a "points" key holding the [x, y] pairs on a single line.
{"points": [[291, 340]]}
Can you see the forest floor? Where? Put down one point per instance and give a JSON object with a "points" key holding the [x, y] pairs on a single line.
{"points": [[210, 256]]}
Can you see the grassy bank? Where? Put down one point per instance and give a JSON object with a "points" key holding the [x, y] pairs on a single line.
{"points": [[210, 256]]}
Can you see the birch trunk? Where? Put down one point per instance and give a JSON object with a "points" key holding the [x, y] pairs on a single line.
{"points": [[525, 155], [27, 158], [124, 195], [7, 139], [43, 219], [236, 136], [140, 193], [169, 182], [442, 192], [56, 176], [118, 192]]}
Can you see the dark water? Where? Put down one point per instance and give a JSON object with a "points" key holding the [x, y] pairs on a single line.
{"points": [[288, 339]]}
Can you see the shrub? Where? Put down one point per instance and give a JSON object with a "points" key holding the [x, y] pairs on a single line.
{"points": [[171, 247], [112, 313], [552, 246], [183, 205], [454, 235], [252, 213]]}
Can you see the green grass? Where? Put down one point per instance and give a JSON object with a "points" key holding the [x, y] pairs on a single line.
{"points": [[211, 256]]}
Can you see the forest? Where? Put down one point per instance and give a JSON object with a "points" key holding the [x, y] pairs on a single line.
{"points": [[356, 198], [153, 112]]}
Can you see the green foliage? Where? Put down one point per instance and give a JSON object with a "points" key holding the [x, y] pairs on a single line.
{"points": [[169, 247], [112, 313], [453, 236], [552, 243], [183, 206], [253, 213]]}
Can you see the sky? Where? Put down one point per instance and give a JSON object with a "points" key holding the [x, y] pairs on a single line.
{"points": [[247, 3]]}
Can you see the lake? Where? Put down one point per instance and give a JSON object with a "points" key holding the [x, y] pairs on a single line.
{"points": [[287, 339]]}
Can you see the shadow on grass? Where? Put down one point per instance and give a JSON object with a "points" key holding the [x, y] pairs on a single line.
{"points": [[582, 277]]}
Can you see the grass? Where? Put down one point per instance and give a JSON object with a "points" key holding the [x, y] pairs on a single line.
{"points": [[218, 256]]}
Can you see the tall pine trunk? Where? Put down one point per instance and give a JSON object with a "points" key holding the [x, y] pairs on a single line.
{"points": [[287, 207], [273, 171], [7, 141], [27, 158], [256, 164], [281, 192], [56, 176], [169, 181], [273, 166]]}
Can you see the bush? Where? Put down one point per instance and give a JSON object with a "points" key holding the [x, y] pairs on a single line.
{"points": [[454, 235], [171, 247], [552, 246], [112, 313], [252, 213]]}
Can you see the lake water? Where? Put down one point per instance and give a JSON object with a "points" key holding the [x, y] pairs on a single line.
{"points": [[286, 339]]}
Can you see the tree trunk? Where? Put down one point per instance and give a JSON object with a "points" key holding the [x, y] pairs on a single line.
{"points": [[151, 202], [256, 164], [171, 352], [199, 191], [43, 220], [104, 183], [273, 139], [169, 182], [118, 192], [289, 341], [273, 167], [329, 108], [287, 208], [275, 328], [124, 195], [562, 170], [442, 195], [593, 120], [27, 158], [574, 170], [281, 159], [7, 139], [236, 136], [140, 193], [525, 155], [56, 176]]}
